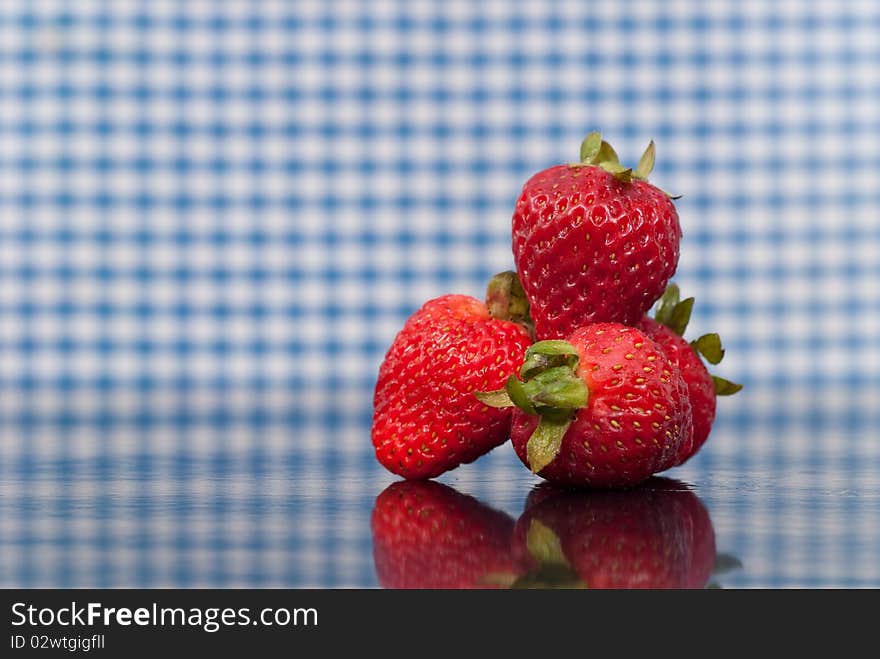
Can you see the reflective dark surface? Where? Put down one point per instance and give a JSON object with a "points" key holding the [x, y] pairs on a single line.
{"points": [[658, 535], [260, 505]]}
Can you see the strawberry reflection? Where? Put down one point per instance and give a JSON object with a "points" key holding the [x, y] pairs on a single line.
{"points": [[658, 535], [428, 535]]}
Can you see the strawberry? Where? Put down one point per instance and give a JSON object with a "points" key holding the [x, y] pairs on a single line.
{"points": [[604, 409], [427, 535], [426, 419], [657, 535], [666, 329], [593, 241]]}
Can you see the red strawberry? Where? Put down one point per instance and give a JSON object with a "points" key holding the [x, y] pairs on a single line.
{"points": [[593, 241], [666, 329], [604, 409], [427, 535], [658, 535], [426, 419]]}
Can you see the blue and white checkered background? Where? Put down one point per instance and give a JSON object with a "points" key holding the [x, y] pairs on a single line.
{"points": [[214, 216]]}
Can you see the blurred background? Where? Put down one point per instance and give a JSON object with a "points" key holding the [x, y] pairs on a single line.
{"points": [[214, 217]]}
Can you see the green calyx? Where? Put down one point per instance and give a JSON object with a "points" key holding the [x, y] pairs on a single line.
{"points": [[597, 152], [726, 563], [554, 570], [675, 313], [550, 388], [725, 387], [506, 300], [723, 563]]}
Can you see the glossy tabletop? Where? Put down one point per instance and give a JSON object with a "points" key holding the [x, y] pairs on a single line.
{"points": [[258, 505]]}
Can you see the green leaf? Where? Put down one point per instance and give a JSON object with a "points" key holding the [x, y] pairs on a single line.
{"points": [[726, 563], [518, 395], [606, 154], [725, 387], [556, 577], [668, 302], [544, 545], [646, 163], [620, 172], [709, 345], [551, 348], [559, 388], [590, 146], [681, 316], [499, 398], [613, 166], [548, 354], [543, 445], [554, 570], [538, 363], [499, 579]]}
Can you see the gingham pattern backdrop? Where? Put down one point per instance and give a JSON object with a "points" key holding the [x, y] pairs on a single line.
{"points": [[214, 216]]}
